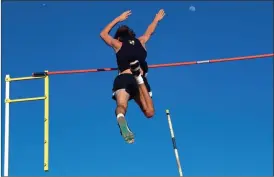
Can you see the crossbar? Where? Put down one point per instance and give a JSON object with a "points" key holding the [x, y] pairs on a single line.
{"points": [[250, 57]]}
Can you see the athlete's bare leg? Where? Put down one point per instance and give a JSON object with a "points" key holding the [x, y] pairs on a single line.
{"points": [[148, 109], [122, 98], [143, 99], [121, 101]]}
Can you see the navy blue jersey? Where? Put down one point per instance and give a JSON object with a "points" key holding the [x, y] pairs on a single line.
{"points": [[131, 50]]}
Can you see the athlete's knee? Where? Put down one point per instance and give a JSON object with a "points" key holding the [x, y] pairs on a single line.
{"points": [[149, 112]]}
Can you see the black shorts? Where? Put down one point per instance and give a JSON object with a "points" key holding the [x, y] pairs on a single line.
{"points": [[129, 83]]}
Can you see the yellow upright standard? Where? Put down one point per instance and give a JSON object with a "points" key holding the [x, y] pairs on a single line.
{"points": [[8, 79], [46, 125]]}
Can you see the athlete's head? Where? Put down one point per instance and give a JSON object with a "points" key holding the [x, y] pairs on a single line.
{"points": [[122, 32]]}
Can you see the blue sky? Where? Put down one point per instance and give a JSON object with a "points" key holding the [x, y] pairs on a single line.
{"points": [[221, 113]]}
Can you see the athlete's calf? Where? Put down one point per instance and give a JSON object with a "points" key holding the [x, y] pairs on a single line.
{"points": [[122, 98], [143, 99]]}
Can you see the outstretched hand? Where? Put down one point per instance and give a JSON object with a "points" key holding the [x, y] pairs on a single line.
{"points": [[160, 15], [124, 15]]}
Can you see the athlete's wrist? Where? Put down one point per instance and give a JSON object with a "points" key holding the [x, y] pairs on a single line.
{"points": [[116, 20], [155, 21]]}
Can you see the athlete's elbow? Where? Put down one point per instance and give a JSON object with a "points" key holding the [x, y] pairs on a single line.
{"points": [[103, 34]]}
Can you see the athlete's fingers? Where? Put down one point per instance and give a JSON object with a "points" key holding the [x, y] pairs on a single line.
{"points": [[127, 12], [161, 13]]}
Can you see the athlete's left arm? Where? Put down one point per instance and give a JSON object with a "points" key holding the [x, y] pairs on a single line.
{"points": [[151, 28], [105, 33]]}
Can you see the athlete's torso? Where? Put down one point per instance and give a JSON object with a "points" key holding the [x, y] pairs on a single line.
{"points": [[131, 50]]}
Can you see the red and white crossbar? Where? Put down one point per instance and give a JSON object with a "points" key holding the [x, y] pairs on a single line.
{"points": [[259, 56]]}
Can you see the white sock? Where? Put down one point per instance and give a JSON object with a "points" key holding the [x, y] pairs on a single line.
{"points": [[139, 79], [120, 115]]}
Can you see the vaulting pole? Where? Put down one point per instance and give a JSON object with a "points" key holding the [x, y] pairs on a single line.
{"points": [[174, 143]]}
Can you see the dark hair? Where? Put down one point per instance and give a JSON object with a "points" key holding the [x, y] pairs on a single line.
{"points": [[124, 31]]}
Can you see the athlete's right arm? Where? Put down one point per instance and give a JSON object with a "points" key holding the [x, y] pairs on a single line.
{"points": [[151, 28], [105, 32]]}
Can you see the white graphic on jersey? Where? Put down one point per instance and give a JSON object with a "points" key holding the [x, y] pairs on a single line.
{"points": [[132, 42]]}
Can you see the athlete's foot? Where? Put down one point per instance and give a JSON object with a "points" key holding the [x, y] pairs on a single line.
{"points": [[135, 68], [125, 131]]}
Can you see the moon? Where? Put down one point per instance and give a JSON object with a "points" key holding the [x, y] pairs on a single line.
{"points": [[192, 8]]}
